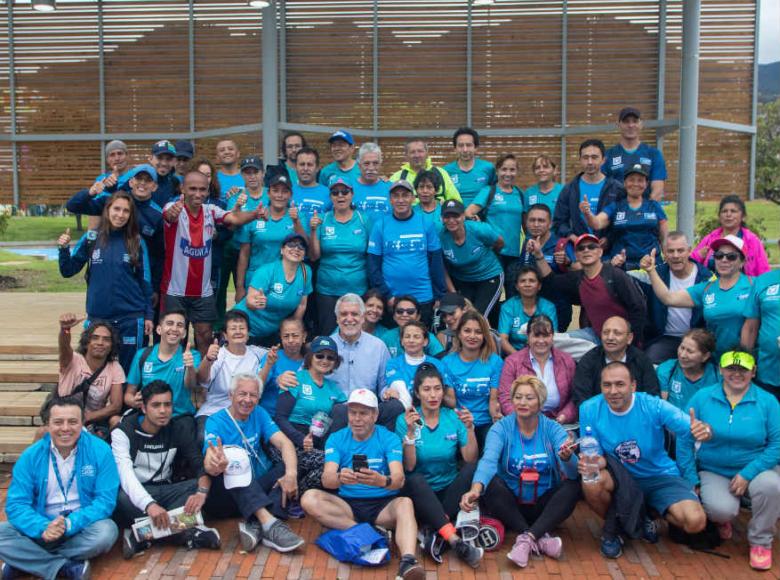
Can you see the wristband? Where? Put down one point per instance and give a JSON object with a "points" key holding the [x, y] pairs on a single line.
{"points": [[204, 490], [388, 481], [409, 440]]}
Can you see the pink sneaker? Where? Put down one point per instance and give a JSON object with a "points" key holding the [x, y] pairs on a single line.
{"points": [[524, 545], [550, 546], [760, 558], [725, 531]]}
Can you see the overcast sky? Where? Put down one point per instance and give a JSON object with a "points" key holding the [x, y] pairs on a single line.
{"points": [[769, 33]]}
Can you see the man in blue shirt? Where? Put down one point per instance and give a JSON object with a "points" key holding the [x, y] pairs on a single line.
{"points": [[372, 193], [308, 195], [469, 173], [404, 254], [630, 151], [228, 175], [362, 477], [292, 142], [629, 427], [342, 147]]}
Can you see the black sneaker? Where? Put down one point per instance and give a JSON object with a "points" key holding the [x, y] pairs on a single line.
{"points": [[410, 569], [249, 534], [8, 572], [650, 531], [202, 537], [131, 546], [469, 554], [281, 538], [432, 544], [76, 570]]}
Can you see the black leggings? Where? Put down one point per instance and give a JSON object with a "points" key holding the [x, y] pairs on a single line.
{"points": [[435, 509], [484, 295], [549, 511]]}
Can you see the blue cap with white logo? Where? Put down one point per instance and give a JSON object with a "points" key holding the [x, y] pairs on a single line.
{"points": [[323, 343], [343, 135]]}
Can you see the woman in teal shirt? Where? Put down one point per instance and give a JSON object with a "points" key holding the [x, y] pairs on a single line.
{"points": [[277, 291], [546, 190], [693, 368], [473, 269], [338, 240], [518, 310]]}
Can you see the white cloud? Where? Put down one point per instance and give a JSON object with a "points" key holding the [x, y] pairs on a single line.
{"points": [[769, 33]]}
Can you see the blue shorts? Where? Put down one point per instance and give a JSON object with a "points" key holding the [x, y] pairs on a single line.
{"points": [[665, 490]]}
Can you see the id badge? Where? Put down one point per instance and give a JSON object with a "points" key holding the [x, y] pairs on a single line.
{"points": [[529, 485]]}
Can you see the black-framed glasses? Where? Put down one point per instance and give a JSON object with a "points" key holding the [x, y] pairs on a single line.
{"points": [[328, 357], [730, 256], [408, 311]]}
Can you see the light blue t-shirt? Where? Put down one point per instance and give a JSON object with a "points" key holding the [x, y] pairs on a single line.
{"points": [[392, 339], [404, 247], [331, 172], [678, 387], [373, 200], [432, 218], [724, 310], [593, 193], [472, 382], [258, 428], [309, 199], [474, 260], [282, 297], [399, 369], [271, 388], [533, 195], [381, 449], [437, 449], [227, 182], [505, 214], [170, 371], [342, 255], [766, 306], [310, 398], [513, 317], [636, 230], [469, 183], [265, 239]]}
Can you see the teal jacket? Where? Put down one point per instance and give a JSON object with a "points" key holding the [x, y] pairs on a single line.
{"points": [[96, 476], [746, 439]]}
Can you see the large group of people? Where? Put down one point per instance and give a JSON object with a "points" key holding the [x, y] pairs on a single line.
{"points": [[400, 354]]}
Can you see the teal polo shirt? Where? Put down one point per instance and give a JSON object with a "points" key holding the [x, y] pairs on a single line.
{"points": [[310, 398], [474, 260], [343, 255]]}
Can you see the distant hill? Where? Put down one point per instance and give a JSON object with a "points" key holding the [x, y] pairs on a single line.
{"points": [[768, 81]]}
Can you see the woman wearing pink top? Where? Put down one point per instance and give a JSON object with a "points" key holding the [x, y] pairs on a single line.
{"points": [[731, 215], [553, 367]]}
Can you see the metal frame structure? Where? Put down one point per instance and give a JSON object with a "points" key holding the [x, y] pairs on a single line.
{"points": [[275, 110]]}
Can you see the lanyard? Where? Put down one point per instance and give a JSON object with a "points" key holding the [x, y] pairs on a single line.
{"points": [[63, 489], [247, 445]]}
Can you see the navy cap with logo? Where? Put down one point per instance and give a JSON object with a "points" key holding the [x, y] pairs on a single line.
{"points": [[637, 168], [252, 162], [163, 147], [452, 206], [184, 149], [342, 135], [628, 112], [323, 343], [280, 179], [295, 238]]}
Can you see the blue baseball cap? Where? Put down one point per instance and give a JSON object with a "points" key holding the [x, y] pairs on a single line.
{"points": [[343, 135], [143, 168], [184, 149], [163, 147], [323, 343], [341, 182]]}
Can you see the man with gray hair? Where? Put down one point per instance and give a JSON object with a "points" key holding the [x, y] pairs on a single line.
{"points": [[235, 459], [667, 325], [371, 193]]}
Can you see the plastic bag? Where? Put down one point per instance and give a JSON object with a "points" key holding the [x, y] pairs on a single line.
{"points": [[361, 544]]}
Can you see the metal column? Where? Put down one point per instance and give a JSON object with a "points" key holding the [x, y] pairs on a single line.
{"points": [[191, 65], [101, 85], [564, 85], [469, 63], [689, 113], [375, 71], [754, 110], [270, 86], [661, 93], [282, 62], [12, 97]]}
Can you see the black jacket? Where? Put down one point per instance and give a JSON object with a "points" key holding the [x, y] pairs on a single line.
{"points": [[567, 218], [587, 377], [626, 512]]}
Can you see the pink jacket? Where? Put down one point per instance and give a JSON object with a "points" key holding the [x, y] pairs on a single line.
{"points": [[519, 363], [756, 262]]}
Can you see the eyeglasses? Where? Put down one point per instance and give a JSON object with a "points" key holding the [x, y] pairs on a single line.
{"points": [[730, 256], [340, 192], [406, 311], [327, 357], [587, 247], [295, 246]]}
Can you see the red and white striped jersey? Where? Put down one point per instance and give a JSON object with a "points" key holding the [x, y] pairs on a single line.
{"points": [[188, 244]]}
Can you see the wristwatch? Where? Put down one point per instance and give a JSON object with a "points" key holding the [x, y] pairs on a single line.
{"points": [[388, 481], [409, 440]]}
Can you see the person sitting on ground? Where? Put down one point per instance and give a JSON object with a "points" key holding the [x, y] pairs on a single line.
{"points": [[375, 310], [518, 310], [693, 369], [616, 338], [553, 367], [434, 437], [280, 361], [304, 412], [629, 427], [472, 372], [237, 463], [169, 362], [92, 372], [401, 369], [60, 499], [731, 215], [527, 477], [362, 477], [742, 456], [157, 460], [407, 309]]}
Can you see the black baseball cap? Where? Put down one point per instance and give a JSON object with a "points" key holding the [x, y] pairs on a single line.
{"points": [[628, 112], [453, 206]]}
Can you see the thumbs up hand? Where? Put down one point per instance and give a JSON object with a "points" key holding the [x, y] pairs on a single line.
{"points": [[585, 206], [173, 211], [647, 263], [187, 358], [293, 211], [213, 351], [64, 240], [619, 260], [700, 430], [315, 221], [261, 213]]}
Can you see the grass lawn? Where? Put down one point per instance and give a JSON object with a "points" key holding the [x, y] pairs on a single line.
{"points": [[25, 273], [28, 229]]}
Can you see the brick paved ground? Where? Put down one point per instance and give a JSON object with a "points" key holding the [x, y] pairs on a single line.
{"points": [[581, 560]]}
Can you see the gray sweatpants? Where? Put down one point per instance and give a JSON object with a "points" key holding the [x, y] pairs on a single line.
{"points": [[764, 491]]}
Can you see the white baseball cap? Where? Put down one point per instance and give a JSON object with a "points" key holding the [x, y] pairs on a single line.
{"points": [[363, 397], [239, 470]]}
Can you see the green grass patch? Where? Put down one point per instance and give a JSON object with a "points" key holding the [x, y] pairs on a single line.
{"points": [[30, 274], [34, 229]]}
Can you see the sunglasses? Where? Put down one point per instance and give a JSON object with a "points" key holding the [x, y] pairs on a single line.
{"points": [[340, 192], [328, 357], [405, 310], [587, 247], [730, 256], [295, 246]]}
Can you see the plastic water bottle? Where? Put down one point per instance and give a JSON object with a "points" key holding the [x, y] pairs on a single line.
{"points": [[590, 451]]}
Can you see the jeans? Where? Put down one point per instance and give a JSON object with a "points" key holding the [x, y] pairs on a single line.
{"points": [[167, 495], [44, 559]]}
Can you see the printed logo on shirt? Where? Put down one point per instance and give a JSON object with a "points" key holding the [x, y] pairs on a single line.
{"points": [[517, 322], [645, 161], [498, 197], [260, 225], [96, 259], [277, 288], [709, 299], [195, 251], [330, 231], [148, 367], [88, 470], [357, 232], [306, 389], [628, 451], [147, 231], [450, 254], [676, 387], [743, 296], [451, 437], [533, 199], [128, 340], [126, 258], [773, 290], [455, 179], [617, 161], [650, 216]]}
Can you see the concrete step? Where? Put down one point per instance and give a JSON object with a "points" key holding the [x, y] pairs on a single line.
{"points": [[28, 371]]}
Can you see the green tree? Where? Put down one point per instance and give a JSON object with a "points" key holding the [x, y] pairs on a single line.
{"points": [[768, 151]]}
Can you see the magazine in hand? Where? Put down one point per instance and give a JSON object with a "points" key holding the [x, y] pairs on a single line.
{"points": [[144, 529]]}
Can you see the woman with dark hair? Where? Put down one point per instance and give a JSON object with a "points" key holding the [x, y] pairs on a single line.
{"points": [[118, 276], [375, 310], [433, 438], [401, 369], [519, 309], [472, 372], [405, 310], [694, 368], [546, 190], [731, 215], [426, 184]]}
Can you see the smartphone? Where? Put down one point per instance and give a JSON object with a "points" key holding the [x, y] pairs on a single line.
{"points": [[359, 461]]}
